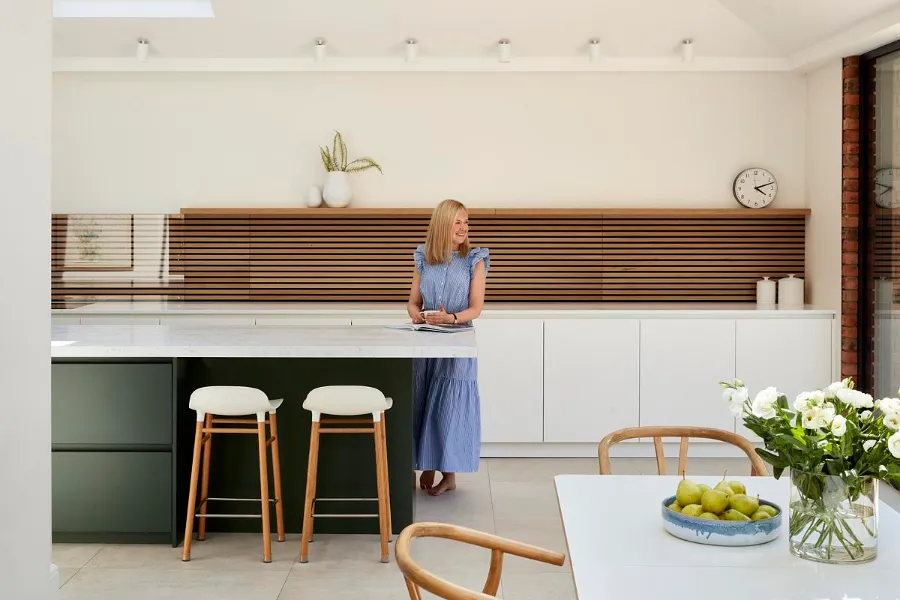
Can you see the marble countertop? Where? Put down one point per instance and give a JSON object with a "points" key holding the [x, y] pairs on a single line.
{"points": [[363, 309], [217, 341]]}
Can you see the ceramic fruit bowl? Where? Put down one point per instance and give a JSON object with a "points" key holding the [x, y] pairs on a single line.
{"points": [[721, 532]]}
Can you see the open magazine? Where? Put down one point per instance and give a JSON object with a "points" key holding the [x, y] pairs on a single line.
{"points": [[459, 327]]}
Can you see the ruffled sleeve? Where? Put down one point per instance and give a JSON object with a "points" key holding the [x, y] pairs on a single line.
{"points": [[476, 255], [419, 257]]}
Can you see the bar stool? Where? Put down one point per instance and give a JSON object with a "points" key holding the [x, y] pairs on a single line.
{"points": [[231, 401], [347, 401]]}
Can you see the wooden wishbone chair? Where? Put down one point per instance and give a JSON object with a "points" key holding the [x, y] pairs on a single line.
{"points": [[416, 577], [757, 466]]}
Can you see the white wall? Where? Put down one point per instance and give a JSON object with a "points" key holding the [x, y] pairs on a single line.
{"points": [[159, 142], [824, 109], [25, 111]]}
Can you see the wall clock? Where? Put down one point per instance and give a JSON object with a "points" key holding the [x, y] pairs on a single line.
{"points": [[755, 187], [886, 193]]}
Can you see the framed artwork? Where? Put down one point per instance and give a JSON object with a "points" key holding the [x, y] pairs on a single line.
{"points": [[97, 242]]}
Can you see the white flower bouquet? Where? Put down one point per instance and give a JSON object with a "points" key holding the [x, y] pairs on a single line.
{"points": [[838, 443]]}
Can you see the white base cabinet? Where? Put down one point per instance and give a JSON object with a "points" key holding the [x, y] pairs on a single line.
{"points": [[682, 361], [591, 378], [794, 355], [510, 379]]}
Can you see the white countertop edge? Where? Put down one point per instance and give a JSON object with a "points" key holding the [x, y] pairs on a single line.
{"points": [[363, 311], [249, 341], [244, 352]]}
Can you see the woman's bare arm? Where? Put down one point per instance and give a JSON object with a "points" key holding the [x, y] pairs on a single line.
{"points": [[414, 304]]}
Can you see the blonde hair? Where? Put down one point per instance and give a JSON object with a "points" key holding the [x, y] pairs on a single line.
{"points": [[439, 241]]}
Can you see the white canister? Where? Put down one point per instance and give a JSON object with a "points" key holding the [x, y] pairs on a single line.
{"points": [[790, 291], [765, 292]]}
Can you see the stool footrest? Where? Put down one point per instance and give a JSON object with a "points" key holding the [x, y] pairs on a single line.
{"points": [[340, 516], [273, 500], [345, 500], [209, 516]]}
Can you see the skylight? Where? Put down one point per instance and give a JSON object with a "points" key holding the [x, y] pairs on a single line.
{"points": [[133, 9]]}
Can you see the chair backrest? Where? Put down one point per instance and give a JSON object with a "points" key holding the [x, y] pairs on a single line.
{"points": [[757, 466], [416, 577]]}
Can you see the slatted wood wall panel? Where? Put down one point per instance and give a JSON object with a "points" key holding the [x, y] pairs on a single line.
{"points": [[604, 255], [887, 248], [112, 257]]}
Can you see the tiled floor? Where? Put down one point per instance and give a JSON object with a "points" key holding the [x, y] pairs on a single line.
{"points": [[514, 498]]}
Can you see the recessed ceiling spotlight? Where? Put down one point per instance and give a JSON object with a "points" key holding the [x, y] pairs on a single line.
{"points": [[320, 49], [412, 49], [504, 50], [594, 49], [143, 49], [687, 50]]}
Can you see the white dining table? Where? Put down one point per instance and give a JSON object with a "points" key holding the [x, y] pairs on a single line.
{"points": [[618, 549]]}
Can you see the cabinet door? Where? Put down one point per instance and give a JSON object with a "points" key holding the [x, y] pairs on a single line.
{"points": [[794, 355], [591, 378], [682, 363], [510, 379], [112, 492], [111, 403]]}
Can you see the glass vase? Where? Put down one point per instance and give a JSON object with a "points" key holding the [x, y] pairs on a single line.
{"points": [[833, 519]]}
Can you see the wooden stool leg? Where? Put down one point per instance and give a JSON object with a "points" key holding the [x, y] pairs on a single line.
{"points": [[192, 496], [276, 473], [382, 505], [264, 493], [311, 473], [387, 478], [204, 485]]}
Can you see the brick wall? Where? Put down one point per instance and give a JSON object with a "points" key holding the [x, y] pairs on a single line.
{"points": [[850, 275], [858, 138]]}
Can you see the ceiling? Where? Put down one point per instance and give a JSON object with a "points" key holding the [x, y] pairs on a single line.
{"points": [[471, 28]]}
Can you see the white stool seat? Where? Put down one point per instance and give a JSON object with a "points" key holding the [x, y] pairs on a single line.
{"points": [[346, 400], [232, 400]]}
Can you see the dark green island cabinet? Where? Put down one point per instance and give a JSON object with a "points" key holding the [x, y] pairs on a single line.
{"points": [[122, 430], [114, 452]]}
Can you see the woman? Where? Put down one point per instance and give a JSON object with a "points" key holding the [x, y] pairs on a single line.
{"points": [[449, 280]]}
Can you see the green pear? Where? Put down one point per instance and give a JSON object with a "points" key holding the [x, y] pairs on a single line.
{"points": [[738, 487], [688, 492], [709, 516], [714, 501], [735, 515], [768, 508], [675, 507], [692, 510], [760, 515], [724, 486], [703, 487], [744, 503]]}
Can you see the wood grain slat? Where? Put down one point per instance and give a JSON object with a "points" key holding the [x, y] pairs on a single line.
{"points": [[346, 255]]}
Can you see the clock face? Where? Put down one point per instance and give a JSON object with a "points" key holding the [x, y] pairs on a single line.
{"points": [[755, 188], [887, 193]]}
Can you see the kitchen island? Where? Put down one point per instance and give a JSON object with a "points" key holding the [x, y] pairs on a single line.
{"points": [[122, 432]]}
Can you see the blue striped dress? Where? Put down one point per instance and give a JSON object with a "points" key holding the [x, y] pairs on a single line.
{"points": [[447, 407]]}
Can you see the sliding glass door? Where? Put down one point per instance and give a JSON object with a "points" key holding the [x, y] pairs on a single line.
{"points": [[880, 229]]}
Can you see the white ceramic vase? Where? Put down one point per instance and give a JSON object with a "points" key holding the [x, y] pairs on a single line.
{"points": [[337, 193], [314, 197]]}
